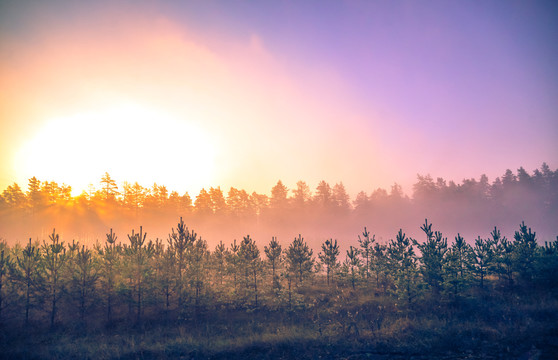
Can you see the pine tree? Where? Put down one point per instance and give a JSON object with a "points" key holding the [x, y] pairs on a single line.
{"points": [[109, 262], [366, 249], [110, 189], [323, 196], [185, 204], [5, 266], [54, 259], [14, 197], [482, 251], [218, 202], [299, 259], [203, 204], [328, 257], [164, 264], [52, 192], [302, 194], [352, 265], [239, 204], [279, 193], [219, 259], [502, 251], [546, 265], [525, 244], [233, 262], [433, 257], [134, 197], [250, 257], [84, 279], [403, 264], [506, 256], [34, 195], [273, 253], [29, 271], [379, 265], [197, 270], [139, 253], [260, 203], [340, 198], [181, 243], [457, 266]]}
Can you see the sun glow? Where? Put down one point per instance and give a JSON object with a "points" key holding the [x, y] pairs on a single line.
{"points": [[132, 142]]}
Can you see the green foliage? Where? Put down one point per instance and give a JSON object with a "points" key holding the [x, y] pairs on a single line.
{"points": [[546, 265], [502, 257], [6, 265], [299, 259], [164, 265], [457, 267], [35, 196], [143, 275], [273, 252], [54, 259], [279, 196], [403, 264], [233, 263], [366, 249], [181, 242], [14, 197], [84, 278], [197, 266], [108, 258], [250, 259], [433, 257], [380, 266], [328, 257], [28, 273], [323, 195], [138, 254], [352, 266], [219, 261], [482, 258], [525, 244], [110, 189]]}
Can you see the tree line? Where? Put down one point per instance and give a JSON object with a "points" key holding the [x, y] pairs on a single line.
{"points": [[542, 182], [474, 204], [55, 281]]}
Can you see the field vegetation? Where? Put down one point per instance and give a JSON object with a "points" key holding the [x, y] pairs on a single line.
{"points": [[143, 298], [421, 294]]}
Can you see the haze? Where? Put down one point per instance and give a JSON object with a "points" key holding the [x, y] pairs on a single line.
{"points": [[197, 95]]}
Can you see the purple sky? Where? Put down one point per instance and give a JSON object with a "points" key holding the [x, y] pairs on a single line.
{"points": [[451, 88]]}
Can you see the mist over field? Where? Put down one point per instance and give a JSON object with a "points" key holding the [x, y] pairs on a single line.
{"points": [[278, 179], [471, 208], [294, 273]]}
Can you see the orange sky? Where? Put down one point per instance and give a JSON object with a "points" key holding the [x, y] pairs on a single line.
{"points": [[147, 101], [151, 96]]}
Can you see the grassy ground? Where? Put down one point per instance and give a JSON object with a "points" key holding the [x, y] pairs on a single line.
{"points": [[496, 328]]}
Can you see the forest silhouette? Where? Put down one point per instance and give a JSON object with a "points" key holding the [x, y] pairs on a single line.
{"points": [[469, 208], [179, 295]]}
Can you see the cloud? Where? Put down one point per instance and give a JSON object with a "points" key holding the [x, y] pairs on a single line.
{"points": [[265, 120]]}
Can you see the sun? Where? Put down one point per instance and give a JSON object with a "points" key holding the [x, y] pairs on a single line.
{"points": [[131, 142]]}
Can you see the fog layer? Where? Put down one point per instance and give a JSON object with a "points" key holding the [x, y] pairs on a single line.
{"points": [[471, 208]]}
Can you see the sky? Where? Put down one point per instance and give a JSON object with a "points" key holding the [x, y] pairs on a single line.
{"points": [[243, 94]]}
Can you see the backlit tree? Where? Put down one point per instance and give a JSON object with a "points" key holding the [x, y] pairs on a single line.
{"points": [[273, 253], [28, 272], [299, 259], [54, 259], [109, 187], [328, 257]]}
